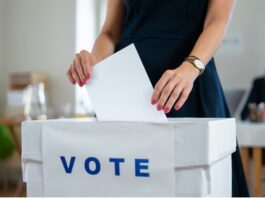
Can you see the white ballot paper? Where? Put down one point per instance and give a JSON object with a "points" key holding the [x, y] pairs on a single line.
{"points": [[121, 89]]}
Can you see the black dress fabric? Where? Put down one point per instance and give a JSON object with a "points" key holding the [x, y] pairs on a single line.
{"points": [[164, 33]]}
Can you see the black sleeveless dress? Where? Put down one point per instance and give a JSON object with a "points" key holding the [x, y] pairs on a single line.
{"points": [[164, 33]]}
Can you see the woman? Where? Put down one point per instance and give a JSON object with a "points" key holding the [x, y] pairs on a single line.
{"points": [[175, 40]]}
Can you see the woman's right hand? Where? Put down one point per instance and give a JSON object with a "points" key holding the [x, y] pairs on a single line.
{"points": [[80, 70]]}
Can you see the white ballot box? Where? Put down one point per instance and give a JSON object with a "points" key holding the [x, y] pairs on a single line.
{"points": [[182, 157]]}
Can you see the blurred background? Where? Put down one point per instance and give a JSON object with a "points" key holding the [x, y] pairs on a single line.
{"points": [[38, 40]]}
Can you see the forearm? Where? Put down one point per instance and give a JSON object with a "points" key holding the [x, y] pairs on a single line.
{"points": [[104, 46], [111, 31], [210, 40], [218, 16]]}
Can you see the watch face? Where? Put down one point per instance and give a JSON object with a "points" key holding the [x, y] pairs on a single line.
{"points": [[199, 64]]}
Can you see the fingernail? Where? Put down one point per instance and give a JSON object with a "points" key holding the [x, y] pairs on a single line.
{"points": [[85, 81], [159, 107], [153, 101], [167, 110], [177, 107]]}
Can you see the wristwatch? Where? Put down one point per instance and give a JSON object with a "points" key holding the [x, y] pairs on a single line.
{"points": [[196, 62]]}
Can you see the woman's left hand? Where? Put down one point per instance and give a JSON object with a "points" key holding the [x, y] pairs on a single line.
{"points": [[174, 85]]}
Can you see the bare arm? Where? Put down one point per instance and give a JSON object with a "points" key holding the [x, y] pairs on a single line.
{"points": [[111, 31], [80, 70], [216, 22], [176, 85]]}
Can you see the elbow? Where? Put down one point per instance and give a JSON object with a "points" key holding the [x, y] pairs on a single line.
{"points": [[112, 35], [221, 21], [220, 14]]}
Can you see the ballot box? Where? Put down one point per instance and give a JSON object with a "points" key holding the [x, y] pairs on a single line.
{"points": [[182, 157]]}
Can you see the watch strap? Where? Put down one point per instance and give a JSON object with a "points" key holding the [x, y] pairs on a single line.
{"points": [[192, 59]]}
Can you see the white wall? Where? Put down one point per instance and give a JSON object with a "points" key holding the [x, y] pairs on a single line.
{"points": [[39, 36], [242, 58], [1, 59]]}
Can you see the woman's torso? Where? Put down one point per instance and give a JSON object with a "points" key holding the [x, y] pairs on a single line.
{"points": [[164, 33], [169, 19]]}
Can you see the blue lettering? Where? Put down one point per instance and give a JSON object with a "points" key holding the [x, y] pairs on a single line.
{"points": [[117, 162], [97, 166], [141, 164], [93, 167], [68, 169]]}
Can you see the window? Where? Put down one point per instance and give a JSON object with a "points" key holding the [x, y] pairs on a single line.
{"points": [[89, 18]]}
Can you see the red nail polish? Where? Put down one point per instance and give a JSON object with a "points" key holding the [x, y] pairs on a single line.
{"points": [[177, 107], [159, 107], [85, 81], [153, 101], [167, 110]]}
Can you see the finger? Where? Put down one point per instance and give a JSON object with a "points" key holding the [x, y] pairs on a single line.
{"points": [[183, 98], [76, 76], [70, 76], [173, 98], [165, 94], [87, 63], [160, 85], [79, 69]]}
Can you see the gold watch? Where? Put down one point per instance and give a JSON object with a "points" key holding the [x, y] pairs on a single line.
{"points": [[196, 62]]}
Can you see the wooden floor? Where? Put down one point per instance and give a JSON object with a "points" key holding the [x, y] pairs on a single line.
{"points": [[5, 194], [10, 192]]}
